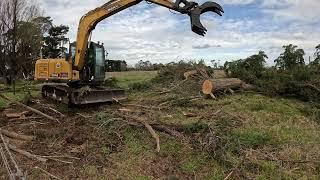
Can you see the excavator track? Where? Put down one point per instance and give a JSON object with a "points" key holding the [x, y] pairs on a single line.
{"points": [[81, 96]]}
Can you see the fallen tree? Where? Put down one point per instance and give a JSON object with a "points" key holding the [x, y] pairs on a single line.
{"points": [[213, 86]]}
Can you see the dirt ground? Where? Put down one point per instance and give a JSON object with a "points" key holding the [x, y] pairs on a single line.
{"points": [[82, 148]]}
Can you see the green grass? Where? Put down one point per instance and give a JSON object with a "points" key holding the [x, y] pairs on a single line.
{"points": [[22, 92], [130, 77], [262, 127], [275, 127]]}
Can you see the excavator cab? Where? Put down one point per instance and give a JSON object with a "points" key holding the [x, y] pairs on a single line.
{"points": [[94, 69]]}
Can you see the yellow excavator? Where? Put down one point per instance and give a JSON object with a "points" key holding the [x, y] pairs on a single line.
{"points": [[77, 79]]}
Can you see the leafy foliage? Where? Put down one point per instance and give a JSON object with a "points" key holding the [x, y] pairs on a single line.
{"points": [[175, 71], [290, 76], [247, 69], [140, 86], [290, 58], [316, 62], [54, 41]]}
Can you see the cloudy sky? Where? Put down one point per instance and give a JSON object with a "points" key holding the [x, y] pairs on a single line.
{"points": [[151, 32]]}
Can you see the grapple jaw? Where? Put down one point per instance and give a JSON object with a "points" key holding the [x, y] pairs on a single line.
{"points": [[195, 14], [194, 11]]}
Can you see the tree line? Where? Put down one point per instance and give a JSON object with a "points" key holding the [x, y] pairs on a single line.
{"points": [[24, 32], [290, 76]]}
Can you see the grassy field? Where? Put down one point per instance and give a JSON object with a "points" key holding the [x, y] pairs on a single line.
{"points": [[23, 92], [268, 138], [271, 138], [129, 77], [241, 136]]}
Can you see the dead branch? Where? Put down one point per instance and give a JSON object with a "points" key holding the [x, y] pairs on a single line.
{"points": [[184, 98], [24, 118], [6, 163], [18, 171], [16, 136], [149, 128], [37, 112], [290, 161], [56, 111], [169, 131], [67, 157], [153, 133], [189, 114], [228, 176], [86, 117], [30, 108], [313, 87], [125, 110], [16, 115], [141, 106], [27, 154], [173, 88], [59, 160], [47, 173]]}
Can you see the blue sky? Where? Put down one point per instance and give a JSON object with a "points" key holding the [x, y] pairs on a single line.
{"points": [[151, 32]]}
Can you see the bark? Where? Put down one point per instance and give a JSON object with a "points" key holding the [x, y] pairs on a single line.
{"points": [[212, 86]]}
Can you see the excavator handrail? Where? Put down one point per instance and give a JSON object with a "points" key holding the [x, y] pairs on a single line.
{"points": [[89, 21]]}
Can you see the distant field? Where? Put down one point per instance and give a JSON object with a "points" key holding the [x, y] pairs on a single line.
{"points": [[129, 77], [219, 74]]}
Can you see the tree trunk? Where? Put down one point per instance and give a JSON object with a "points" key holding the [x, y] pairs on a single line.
{"points": [[212, 86]]}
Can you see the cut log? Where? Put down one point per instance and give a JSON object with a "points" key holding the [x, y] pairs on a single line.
{"points": [[211, 86]]}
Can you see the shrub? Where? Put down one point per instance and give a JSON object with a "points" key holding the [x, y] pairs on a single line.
{"points": [[175, 71], [111, 82], [140, 86]]}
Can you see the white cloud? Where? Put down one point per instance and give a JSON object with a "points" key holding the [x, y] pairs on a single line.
{"points": [[238, 2], [151, 32], [304, 10]]}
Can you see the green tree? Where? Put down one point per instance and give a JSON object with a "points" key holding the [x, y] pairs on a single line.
{"points": [[30, 39], [20, 39], [290, 58], [43, 23], [317, 55], [248, 69], [53, 43], [255, 63]]}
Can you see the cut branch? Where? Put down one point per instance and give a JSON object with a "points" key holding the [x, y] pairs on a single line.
{"points": [[16, 136], [153, 133], [47, 173], [27, 154], [30, 108]]}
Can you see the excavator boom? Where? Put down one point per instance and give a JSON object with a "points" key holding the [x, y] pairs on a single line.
{"points": [[89, 21]]}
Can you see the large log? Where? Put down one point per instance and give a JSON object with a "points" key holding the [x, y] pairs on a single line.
{"points": [[212, 86]]}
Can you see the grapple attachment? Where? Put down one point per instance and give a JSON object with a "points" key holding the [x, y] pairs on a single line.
{"points": [[194, 11]]}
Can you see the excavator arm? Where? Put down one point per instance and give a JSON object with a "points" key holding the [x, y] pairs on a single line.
{"points": [[89, 21]]}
